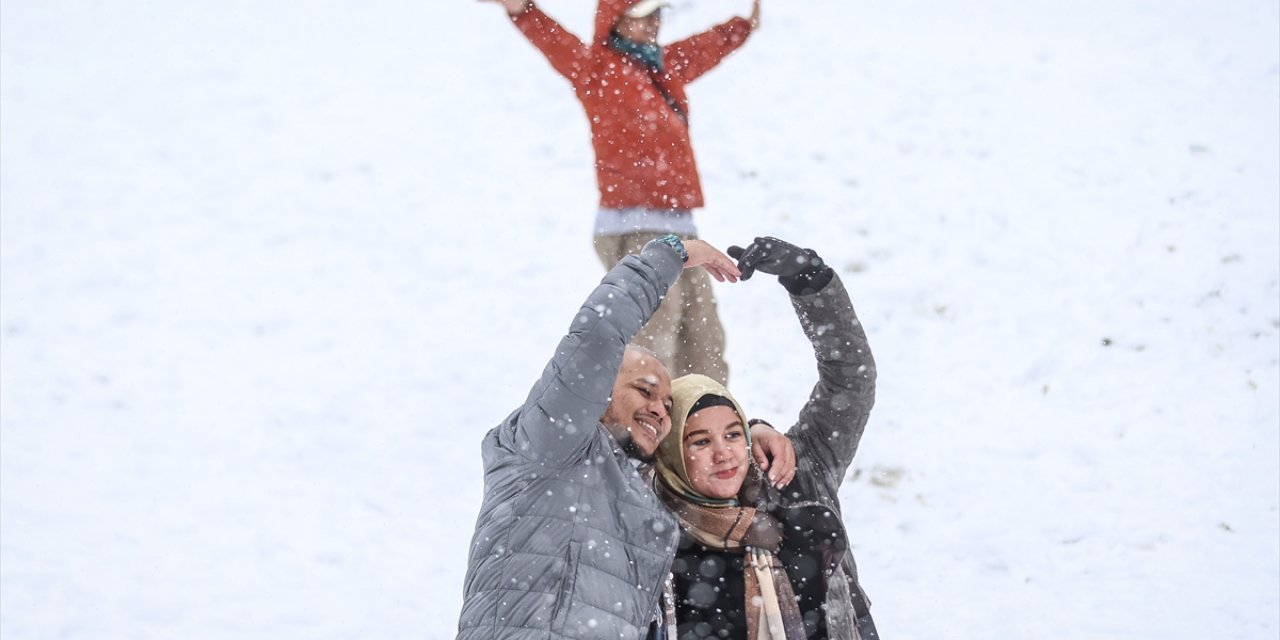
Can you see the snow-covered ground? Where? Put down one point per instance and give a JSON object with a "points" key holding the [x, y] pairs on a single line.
{"points": [[270, 270]]}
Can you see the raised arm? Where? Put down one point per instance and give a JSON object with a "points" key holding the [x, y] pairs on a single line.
{"points": [[563, 408], [565, 51], [690, 58], [832, 421]]}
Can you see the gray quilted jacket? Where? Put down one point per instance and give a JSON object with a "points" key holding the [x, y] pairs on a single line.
{"points": [[571, 541]]}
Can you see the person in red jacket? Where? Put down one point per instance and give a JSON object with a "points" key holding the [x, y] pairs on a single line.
{"points": [[633, 92]]}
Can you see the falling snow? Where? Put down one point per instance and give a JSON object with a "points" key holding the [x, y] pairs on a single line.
{"points": [[268, 276]]}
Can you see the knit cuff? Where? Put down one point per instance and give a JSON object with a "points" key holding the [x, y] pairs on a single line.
{"points": [[807, 282]]}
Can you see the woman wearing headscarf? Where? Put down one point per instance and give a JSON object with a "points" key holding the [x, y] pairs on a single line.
{"points": [[757, 562]]}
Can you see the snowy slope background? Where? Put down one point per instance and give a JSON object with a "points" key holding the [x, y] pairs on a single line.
{"points": [[270, 270]]}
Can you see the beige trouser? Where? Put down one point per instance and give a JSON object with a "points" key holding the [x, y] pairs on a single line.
{"points": [[685, 331]]}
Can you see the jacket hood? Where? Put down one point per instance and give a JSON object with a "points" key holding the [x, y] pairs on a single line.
{"points": [[608, 12], [685, 391]]}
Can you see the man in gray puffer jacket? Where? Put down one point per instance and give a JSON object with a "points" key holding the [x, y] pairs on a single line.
{"points": [[571, 541]]}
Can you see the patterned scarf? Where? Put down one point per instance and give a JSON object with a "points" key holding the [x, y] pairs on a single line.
{"points": [[770, 604]]}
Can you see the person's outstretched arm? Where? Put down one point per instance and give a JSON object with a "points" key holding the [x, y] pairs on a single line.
{"points": [[690, 58], [831, 423], [565, 51], [562, 410]]}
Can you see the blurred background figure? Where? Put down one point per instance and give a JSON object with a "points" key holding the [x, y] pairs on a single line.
{"points": [[633, 92]]}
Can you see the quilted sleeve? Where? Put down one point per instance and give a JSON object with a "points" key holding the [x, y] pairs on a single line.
{"points": [[564, 407], [832, 421]]}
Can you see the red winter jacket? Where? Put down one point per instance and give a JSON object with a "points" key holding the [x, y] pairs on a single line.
{"points": [[643, 154]]}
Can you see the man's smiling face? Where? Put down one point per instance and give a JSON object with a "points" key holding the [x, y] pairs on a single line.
{"points": [[638, 415]]}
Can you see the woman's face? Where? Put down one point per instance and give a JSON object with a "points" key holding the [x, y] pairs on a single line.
{"points": [[715, 452]]}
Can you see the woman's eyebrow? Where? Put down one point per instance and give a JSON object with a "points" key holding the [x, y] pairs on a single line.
{"points": [[690, 434]]}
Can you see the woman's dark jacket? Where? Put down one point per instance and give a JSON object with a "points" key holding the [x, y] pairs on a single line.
{"points": [[815, 543]]}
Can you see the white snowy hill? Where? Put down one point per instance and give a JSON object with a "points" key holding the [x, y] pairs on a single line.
{"points": [[269, 271]]}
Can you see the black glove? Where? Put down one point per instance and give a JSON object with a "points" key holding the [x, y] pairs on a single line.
{"points": [[801, 271]]}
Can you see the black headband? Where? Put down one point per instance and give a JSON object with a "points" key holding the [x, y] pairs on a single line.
{"points": [[711, 400]]}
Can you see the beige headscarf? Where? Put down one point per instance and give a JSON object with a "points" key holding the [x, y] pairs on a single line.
{"points": [[729, 525], [685, 392]]}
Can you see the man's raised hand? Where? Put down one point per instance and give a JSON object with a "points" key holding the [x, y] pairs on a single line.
{"points": [[773, 452], [712, 259]]}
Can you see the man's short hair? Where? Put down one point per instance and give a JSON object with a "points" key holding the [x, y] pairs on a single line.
{"points": [[631, 346]]}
